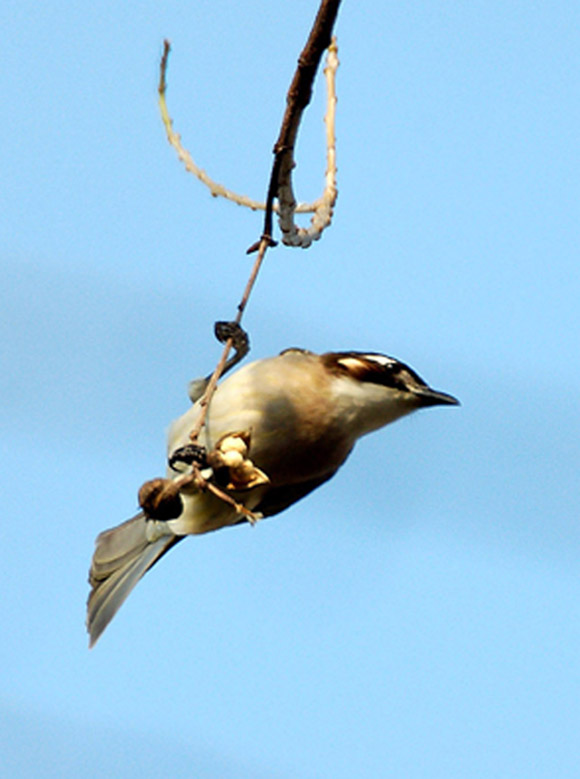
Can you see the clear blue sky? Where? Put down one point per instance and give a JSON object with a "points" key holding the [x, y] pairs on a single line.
{"points": [[418, 616]]}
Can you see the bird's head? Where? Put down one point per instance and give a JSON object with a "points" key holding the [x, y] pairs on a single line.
{"points": [[380, 389]]}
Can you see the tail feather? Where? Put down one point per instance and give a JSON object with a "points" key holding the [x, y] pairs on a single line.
{"points": [[122, 556]]}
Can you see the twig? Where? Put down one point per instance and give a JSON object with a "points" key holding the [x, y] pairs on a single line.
{"points": [[210, 389], [196, 478], [298, 98], [321, 207], [300, 236], [216, 189]]}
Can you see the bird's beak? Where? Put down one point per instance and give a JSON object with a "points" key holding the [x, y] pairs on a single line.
{"points": [[430, 397]]}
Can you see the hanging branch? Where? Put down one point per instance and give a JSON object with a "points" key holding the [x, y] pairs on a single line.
{"points": [[280, 187], [298, 97], [322, 207], [215, 188]]}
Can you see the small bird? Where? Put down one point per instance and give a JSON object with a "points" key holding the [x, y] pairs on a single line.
{"points": [[275, 430]]}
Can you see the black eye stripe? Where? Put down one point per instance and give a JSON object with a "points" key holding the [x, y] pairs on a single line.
{"points": [[387, 376], [373, 369]]}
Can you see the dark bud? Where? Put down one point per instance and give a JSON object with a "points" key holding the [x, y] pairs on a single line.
{"points": [[160, 499], [189, 454]]}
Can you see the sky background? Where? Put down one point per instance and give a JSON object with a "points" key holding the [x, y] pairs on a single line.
{"points": [[418, 616]]}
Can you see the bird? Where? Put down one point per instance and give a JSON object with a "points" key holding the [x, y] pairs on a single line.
{"points": [[276, 429]]}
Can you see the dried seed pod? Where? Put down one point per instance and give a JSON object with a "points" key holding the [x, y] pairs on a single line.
{"points": [[235, 442], [160, 499], [246, 476], [232, 459]]}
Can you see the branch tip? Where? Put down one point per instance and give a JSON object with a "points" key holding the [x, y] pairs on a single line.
{"points": [[163, 67]]}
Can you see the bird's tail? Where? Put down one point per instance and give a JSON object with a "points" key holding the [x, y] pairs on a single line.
{"points": [[122, 556]]}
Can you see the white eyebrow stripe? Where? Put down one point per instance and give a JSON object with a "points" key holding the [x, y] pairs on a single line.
{"points": [[350, 362], [365, 362], [381, 359]]}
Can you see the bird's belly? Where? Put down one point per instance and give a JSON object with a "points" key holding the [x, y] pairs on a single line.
{"points": [[204, 512], [291, 443]]}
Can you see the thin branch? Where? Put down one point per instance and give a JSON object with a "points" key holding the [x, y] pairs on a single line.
{"points": [[196, 475], [210, 389], [300, 236], [195, 478], [299, 95], [216, 189], [160, 498]]}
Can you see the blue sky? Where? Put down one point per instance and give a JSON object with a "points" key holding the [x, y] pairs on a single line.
{"points": [[419, 615]]}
